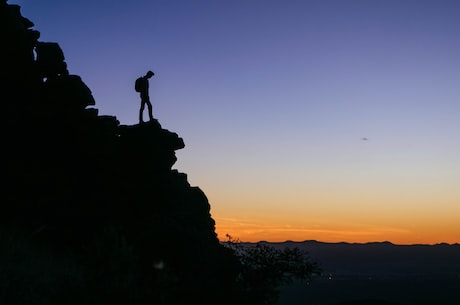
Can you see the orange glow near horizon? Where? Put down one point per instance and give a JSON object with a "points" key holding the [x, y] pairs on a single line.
{"points": [[254, 230], [337, 203], [416, 218]]}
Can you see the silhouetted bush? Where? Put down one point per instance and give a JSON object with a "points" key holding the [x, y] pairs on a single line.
{"points": [[264, 269]]}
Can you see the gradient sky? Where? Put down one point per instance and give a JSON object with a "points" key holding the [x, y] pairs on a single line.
{"points": [[334, 120]]}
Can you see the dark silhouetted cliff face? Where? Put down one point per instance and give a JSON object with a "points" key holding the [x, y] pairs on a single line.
{"points": [[97, 201]]}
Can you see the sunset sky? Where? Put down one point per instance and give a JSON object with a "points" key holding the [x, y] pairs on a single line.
{"points": [[333, 120]]}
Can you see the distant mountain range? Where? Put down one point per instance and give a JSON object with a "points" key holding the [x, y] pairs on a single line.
{"points": [[403, 274], [381, 258]]}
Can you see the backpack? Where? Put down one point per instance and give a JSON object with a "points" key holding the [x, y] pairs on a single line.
{"points": [[138, 85]]}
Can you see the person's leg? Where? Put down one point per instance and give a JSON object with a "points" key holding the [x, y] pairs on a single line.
{"points": [[149, 106], [141, 120]]}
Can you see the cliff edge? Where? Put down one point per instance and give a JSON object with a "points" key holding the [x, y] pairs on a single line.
{"points": [[92, 211]]}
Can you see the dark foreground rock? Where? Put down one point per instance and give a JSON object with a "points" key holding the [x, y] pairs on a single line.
{"points": [[92, 211]]}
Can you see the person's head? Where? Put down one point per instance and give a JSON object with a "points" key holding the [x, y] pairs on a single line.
{"points": [[149, 74]]}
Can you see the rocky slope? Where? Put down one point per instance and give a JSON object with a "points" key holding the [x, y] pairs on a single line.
{"points": [[91, 210]]}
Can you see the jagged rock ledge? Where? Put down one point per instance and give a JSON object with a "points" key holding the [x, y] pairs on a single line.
{"points": [[92, 211]]}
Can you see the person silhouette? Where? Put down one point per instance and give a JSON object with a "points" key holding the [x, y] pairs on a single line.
{"points": [[142, 86]]}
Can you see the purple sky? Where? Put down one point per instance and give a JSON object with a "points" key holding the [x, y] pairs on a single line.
{"points": [[273, 99]]}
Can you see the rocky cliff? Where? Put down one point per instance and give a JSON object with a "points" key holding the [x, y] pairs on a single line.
{"points": [[91, 210]]}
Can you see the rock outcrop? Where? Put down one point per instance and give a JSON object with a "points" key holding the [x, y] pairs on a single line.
{"points": [[92, 211]]}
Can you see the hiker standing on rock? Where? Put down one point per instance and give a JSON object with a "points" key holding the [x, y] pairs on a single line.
{"points": [[142, 86]]}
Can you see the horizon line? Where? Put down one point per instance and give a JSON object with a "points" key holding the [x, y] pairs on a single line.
{"points": [[344, 242]]}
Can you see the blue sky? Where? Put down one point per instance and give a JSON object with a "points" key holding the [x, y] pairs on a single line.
{"points": [[273, 100]]}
